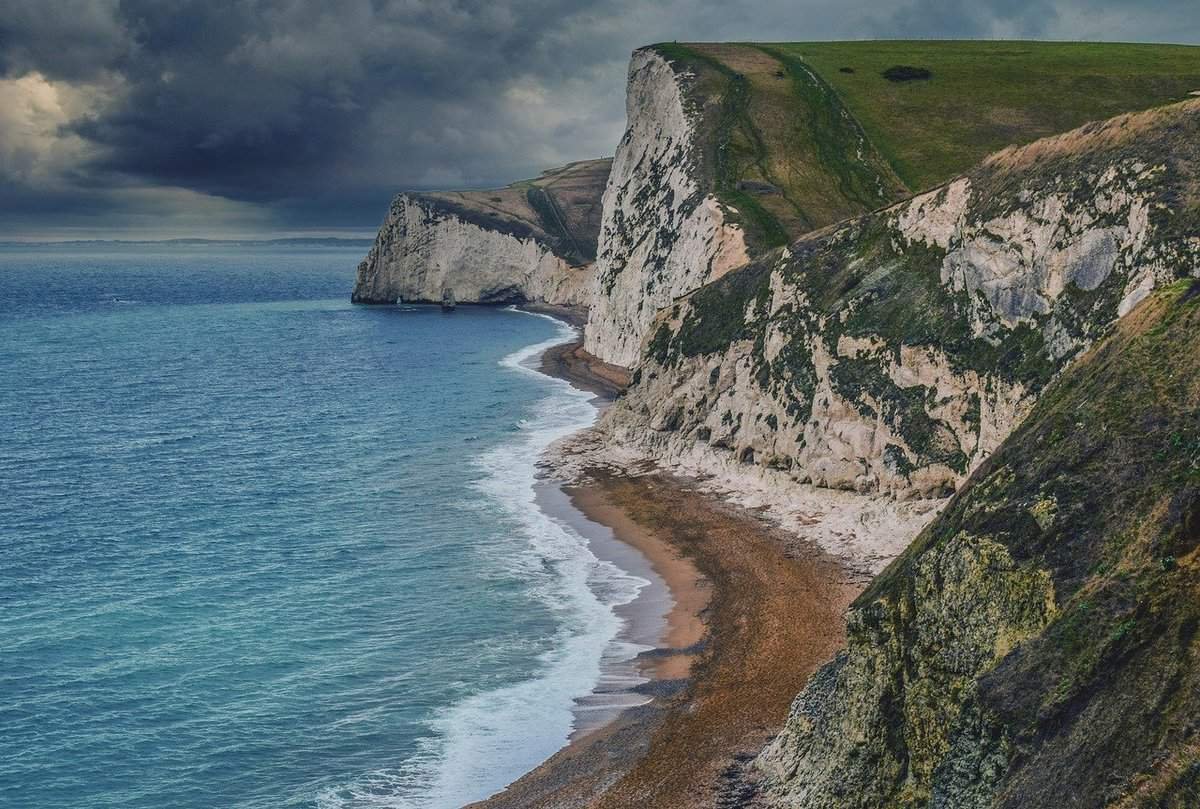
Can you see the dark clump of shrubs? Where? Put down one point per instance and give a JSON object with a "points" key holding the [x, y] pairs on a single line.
{"points": [[907, 73], [845, 70]]}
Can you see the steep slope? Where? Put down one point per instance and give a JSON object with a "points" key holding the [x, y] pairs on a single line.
{"points": [[895, 352], [732, 149], [661, 234], [1037, 644], [529, 241]]}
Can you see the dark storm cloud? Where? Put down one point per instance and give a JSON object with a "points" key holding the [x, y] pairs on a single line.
{"points": [[69, 39], [312, 113]]}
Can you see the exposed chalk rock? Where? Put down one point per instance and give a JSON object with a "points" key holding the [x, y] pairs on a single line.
{"points": [[662, 234], [894, 353]]}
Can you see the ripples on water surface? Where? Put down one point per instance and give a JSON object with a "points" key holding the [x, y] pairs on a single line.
{"points": [[262, 548]]}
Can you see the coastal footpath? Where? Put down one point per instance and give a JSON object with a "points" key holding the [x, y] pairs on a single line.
{"points": [[899, 322]]}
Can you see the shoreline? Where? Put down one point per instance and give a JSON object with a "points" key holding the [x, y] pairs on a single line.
{"points": [[687, 590], [662, 623], [569, 362], [753, 614]]}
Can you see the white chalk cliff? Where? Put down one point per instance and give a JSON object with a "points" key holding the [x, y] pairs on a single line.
{"points": [[423, 249], [662, 234]]}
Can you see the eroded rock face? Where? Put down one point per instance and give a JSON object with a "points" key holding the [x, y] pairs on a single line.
{"points": [[662, 233], [896, 352], [423, 248]]}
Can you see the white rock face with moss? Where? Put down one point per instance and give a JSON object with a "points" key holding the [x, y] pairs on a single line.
{"points": [[895, 353], [533, 240], [661, 235]]}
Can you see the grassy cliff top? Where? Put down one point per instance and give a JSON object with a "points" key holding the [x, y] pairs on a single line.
{"points": [[982, 96], [561, 207], [805, 134]]}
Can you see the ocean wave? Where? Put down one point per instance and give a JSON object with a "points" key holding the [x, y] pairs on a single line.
{"points": [[481, 744]]}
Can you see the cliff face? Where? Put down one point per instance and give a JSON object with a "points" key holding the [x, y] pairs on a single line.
{"points": [[730, 150], [895, 352], [662, 233], [532, 241], [1037, 644], [424, 247]]}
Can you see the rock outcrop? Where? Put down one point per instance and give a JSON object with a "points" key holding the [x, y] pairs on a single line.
{"points": [[893, 353], [530, 242], [1037, 644]]}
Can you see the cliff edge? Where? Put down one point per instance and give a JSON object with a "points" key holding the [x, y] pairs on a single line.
{"points": [[733, 149]]}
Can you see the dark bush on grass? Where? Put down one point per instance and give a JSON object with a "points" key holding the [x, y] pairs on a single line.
{"points": [[845, 70], [907, 73]]}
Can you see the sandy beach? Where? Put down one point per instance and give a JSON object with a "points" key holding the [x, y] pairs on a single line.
{"points": [[753, 613]]}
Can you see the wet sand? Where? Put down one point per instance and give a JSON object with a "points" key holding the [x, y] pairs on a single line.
{"points": [[570, 362], [661, 625], [676, 642]]}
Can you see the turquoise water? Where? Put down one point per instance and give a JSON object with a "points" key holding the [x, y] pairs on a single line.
{"points": [[261, 548]]}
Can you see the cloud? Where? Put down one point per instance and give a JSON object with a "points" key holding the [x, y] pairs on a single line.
{"points": [[33, 111], [65, 39], [310, 112]]}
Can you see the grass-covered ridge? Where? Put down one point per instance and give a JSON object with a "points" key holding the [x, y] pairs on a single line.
{"points": [[802, 135], [778, 146]]}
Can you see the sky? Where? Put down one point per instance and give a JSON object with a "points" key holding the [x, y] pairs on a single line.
{"points": [[267, 118]]}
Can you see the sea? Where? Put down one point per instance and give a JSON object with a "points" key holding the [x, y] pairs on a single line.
{"points": [[260, 547]]}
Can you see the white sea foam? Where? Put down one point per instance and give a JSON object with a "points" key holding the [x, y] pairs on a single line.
{"points": [[483, 743]]}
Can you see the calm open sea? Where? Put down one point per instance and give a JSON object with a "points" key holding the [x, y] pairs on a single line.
{"points": [[261, 548]]}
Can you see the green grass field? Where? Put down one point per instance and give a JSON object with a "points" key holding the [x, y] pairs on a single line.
{"points": [[984, 96], [806, 134]]}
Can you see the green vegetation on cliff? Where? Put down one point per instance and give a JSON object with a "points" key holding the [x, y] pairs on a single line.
{"points": [[797, 136], [942, 318], [779, 148], [1037, 645]]}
